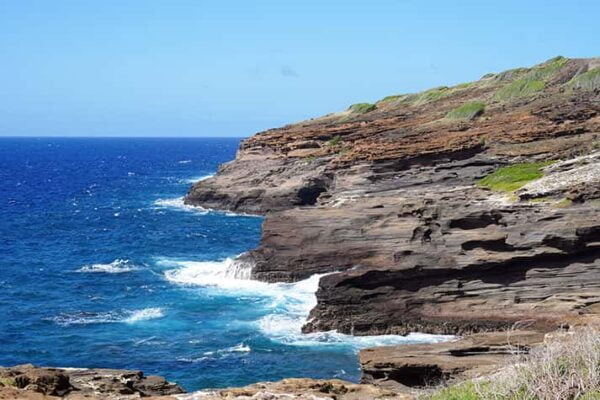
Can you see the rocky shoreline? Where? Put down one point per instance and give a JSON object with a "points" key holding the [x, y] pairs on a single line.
{"points": [[389, 201], [470, 210]]}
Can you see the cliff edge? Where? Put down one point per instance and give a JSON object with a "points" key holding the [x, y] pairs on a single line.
{"points": [[455, 210]]}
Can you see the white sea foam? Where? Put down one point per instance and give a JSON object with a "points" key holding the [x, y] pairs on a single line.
{"points": [[117, 266], [109, 317], [178, 204], [184, 162], [227, 274], [240, 348], [288, 308], [145, 315], [197, 178]]}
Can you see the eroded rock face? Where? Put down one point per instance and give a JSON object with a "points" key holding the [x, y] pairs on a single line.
{"points": [[386, 202], [28, 381]]}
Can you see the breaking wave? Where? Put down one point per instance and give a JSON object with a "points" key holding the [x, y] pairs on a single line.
{"points": [[120, 316], [227, 274], [118, 266], [178, 204], [197, 178], [287, 308]]}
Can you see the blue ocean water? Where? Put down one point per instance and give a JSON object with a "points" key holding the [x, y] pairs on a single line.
{"points": [[101, 265]]}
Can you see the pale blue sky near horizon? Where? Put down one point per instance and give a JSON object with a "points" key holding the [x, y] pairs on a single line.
{"points": [[232, 68]]}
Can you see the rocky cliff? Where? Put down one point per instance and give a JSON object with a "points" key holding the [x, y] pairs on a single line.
{"points": [[454, 210]]}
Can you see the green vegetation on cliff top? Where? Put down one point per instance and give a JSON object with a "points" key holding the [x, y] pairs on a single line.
{"points": [[467, 111], [512, 85], [533, 80], [589, 80], [513, 177], [361, 108]]}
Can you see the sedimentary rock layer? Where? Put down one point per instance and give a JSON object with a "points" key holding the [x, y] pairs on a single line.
{"points": [[385, 199]]}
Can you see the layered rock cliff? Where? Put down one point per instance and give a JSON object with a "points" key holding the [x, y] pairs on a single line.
{"points": [[388, 199]]}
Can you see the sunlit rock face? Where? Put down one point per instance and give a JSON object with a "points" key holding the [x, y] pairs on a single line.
{"points": [[387, 200]]}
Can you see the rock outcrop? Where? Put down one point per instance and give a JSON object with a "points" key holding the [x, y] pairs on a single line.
{"points": [[27, 382], [385, 200], [419, 366], [30, 382], [301, 389]]}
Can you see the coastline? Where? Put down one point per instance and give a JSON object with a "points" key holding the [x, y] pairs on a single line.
{"points": [[400, 214], [389, 205]]}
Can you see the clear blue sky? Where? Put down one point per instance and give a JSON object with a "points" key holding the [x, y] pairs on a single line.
{"points": [[232, 68]]}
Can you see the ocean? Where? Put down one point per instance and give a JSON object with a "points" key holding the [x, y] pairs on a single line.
{"points": [[102, 265]]}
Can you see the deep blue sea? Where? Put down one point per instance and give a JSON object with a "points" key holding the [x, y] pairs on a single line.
{"points": [[101, 265]]}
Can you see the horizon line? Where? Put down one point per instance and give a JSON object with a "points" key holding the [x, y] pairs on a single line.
{"points": [[116, 137]]}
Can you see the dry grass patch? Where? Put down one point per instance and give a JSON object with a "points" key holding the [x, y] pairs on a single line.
{"points": [[565, 367]]}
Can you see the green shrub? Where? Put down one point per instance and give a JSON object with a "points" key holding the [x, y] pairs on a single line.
{"points": [[589, 80], [520, 88], [547, 69], [513, 177], [8, 381], [362, 108], [396, 97], [510, 74], [463, 391], [465, 85], [532, 81], [467, 111], [334, 140], [428, 95]]}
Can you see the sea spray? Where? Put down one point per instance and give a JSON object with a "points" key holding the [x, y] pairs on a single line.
{"points": [[108, 317], [240, 268], [289, 306], [117, 266], [196, 179], [178, 203]]}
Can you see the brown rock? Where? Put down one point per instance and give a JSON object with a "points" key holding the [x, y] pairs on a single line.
{"points": [[393, 213], [24, 380], [303, 389], [432, 364]]}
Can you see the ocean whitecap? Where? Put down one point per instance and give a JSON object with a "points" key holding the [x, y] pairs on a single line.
{"points": [[196, 178], [117, 266], [108, 317], [178, 204]]}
